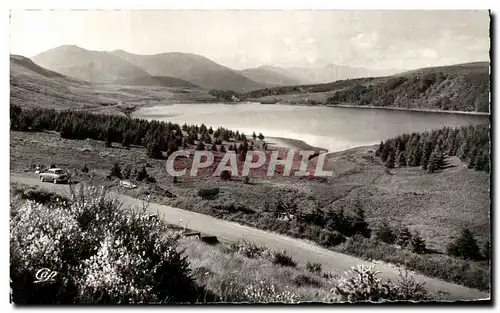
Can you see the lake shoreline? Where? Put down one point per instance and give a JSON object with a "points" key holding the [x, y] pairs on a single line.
{"points": [[350, 106], [301, 138]]}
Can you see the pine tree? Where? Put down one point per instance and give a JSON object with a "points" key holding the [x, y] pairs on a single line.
{"points": [[482, 162], [380, 148], [417, 243], [391, 160], [436, 160], [472, 158], [213, 147], [127, 138], [222, 149], [207, 138], [465, 148], [404, 237], [416, 156], [384, 233], [487, 250], [172, 147], [153, 150], [386, 152], [109, 137], [200, 146], [465, 246], [426, 154], [261, 137], [254, 136], [359, 224], [401, 159]]}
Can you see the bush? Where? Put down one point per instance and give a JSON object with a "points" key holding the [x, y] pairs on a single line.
{"points": [[463, 272], [85, 169], [302, 280], [225, 175], [248, 249], [116, 171], [362, 284], [384, 233], [282, 258], [408, 289], [404, 237], [150, 179], [265, 292], [41, 196], [315, 268], [331, 239], [102, 254], [141, 174], [417, 244]]}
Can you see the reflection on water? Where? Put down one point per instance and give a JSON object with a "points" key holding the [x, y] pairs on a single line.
{"points": [[331, 128]]}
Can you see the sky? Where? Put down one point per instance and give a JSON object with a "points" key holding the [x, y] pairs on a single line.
{"points": [[244, 39]]}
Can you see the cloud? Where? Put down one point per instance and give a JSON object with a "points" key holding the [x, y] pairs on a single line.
{"points": [[365, 41], [428, 53]]}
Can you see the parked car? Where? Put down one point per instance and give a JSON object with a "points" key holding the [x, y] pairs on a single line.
{"points": [[55, 175]]}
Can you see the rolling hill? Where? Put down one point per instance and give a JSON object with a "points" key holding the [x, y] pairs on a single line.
{"points": [[461, 87], [91, 66], [327, 74], [269, 75], [191, 67], [163, 81], [34, 86]]}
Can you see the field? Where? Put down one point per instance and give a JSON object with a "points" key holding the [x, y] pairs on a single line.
{"points": [[227, 273]]}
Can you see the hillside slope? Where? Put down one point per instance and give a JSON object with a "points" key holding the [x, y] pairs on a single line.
{"points": [[92, 66], [330, 73], [164, 81], [191, 67], [34, 86], [461, 87], [269, 75]]}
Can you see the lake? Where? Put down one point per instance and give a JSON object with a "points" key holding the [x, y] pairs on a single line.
{"points": [[332, 128]]}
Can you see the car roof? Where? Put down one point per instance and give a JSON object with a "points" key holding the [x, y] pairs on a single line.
{"points": [[55, 169]]}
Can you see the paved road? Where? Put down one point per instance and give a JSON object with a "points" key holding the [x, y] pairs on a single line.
{"points": [[300, 250]]}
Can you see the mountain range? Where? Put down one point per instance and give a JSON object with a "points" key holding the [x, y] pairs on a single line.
{"points": [[70, 76], [176, 69]]}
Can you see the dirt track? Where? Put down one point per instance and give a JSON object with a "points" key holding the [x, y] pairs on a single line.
{"points": [[300, 250]]}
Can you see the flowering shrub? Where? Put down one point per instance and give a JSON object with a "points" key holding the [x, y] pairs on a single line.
{"points": [[248, 249], [265, 292], [101, 252], [407, 288], [362, 284]]}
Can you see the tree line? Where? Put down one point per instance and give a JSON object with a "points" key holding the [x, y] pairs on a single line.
{"points": [[156, 136], [431, 149]]}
